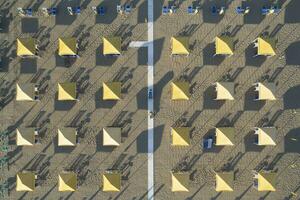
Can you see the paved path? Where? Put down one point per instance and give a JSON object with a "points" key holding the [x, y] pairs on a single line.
{"points": [[138, 44], [150, 103], [150, 69]]}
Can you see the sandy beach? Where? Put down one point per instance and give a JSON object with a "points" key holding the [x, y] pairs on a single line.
{"points": [[89, 114]]}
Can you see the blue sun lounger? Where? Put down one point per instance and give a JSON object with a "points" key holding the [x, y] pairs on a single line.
{"points": [[165, 10], [217, 10], [128, 9], [49, 11], [25, 12], [207, 143], [74, 10], [99, 11], [192, 10], [241, 10]]}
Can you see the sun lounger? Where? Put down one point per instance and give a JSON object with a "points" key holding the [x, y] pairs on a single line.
{"points": [[99, 11], [217, 10], [119, 9], [207, 143], [242, 10], [191, 10], [270, 10], [165, 10], [49, 11], [25, 12], [74, 10], [128, 9], [168, 10]]}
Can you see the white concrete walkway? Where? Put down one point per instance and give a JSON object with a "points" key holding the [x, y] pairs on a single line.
{"points": [[138, 44], [150, 103], [150, 69]]}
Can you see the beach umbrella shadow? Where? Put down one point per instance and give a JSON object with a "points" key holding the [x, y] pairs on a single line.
{"points": [[249, 142], [63, 105], [100, 103], [254, 16], [28, 65], [291, 98], [102, 60], [99, 141], [209, 101], [29, 25], [250, 103], [209, 57], [142, 139], [251, 60], [143, 12], [61, 149], [292, 54], [63, 17], [110, 15], [292, 141], [208, 16], [292, 12]]}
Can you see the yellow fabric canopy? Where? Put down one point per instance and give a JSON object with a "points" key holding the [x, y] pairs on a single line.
{"points": [[66, 91], [26, 46], [67, 182], [180, 90], [224, 45], [180, 182], [67, 46], [111, 182], [111, 45], [112, 91], [25, 92], [225, 90], [25, 181], [266, 46], [25, 136], [266, 136], [224, 136], [180, 136], [224, 181], [67, 137], [180, 45], [111, 136], [266, 91], [266, 181]]}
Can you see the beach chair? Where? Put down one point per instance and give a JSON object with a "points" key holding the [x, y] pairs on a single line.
{"points": [[27, 12], [49, 11], [120, 9], [207, 143], [172, 9], [128, 9], [276, 9], [242, 10], [265, 10], [165, 10], [36, 92], [217, 10], [99, 11], [74, 10], [221, 11], [192, 10]]}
